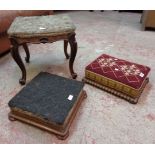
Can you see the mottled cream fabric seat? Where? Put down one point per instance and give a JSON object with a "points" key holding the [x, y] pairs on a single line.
{"points": [[35, 26], [42, 29]]}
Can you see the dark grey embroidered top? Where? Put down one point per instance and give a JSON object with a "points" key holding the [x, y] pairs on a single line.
{"points": [[34, 26], [47, 97]]}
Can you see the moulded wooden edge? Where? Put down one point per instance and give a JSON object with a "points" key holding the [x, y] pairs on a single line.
{"points": [[117, 93]]}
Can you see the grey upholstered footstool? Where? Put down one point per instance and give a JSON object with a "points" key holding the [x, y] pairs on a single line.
{"points": [[49, 102], [42, 29]]}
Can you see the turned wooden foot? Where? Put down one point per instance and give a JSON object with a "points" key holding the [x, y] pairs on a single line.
{"points": [[11, 118], [85, 94], [63, 137]]}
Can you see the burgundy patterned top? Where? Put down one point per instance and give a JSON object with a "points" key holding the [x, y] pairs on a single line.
{"points": [[120, 70]]}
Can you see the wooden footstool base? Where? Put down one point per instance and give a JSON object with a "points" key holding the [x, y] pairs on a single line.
{"points": [[117, 93], [61, 131], [53, 111]]}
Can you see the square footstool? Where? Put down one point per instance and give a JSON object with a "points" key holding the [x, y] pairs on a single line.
{"points": [[49, 102], [42, 29], [117, 76]]}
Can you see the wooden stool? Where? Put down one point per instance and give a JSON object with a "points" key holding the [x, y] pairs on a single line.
{"points": [[42, 29]]}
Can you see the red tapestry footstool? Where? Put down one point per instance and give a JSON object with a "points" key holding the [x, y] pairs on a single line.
{"points": [[119, 77]]}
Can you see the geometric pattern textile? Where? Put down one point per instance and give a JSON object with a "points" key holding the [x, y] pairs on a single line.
{"points": [[123, 71]]}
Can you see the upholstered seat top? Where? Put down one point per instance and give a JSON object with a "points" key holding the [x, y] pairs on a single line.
{"points": [[47, 97], [119, 70], [34, 26]]}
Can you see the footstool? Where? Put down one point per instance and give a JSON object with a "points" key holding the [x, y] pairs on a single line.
{"points": [[117, 76], [49, 102], [42, 29]]}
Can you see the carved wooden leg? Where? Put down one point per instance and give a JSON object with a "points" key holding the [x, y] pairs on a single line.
{"points": [[27, 58], [18, 60], [65, 49], [73, 44]]}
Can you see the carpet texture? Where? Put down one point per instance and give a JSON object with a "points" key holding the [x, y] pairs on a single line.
{"points": [[102, 118]]}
